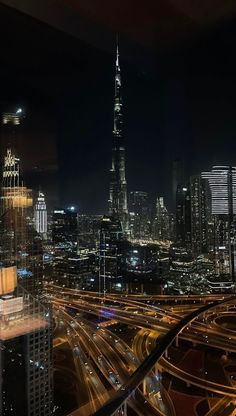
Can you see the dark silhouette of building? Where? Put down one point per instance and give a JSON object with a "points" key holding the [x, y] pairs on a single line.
{"points": [[177, 178], [200, 214], [25, 351], [65, 227], [183, 216], [88, 230], [110, 255]]}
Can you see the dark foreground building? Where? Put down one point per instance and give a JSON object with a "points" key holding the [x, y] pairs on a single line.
{"points": [[25, 351]]}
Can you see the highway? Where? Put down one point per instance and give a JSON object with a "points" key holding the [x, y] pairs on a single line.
{"points": [[102, 358], [142, 346], [127, 390], [103, 355], [159, 320]]}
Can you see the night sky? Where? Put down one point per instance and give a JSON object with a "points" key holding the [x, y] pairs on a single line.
{"points": [[179, 101]]}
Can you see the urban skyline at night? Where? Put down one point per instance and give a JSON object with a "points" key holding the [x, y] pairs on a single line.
{"points": [[117, 208], [161, 116]]}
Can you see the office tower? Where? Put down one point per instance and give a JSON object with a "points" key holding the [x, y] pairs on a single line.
{"points": [[88, 230], [25, 351], [118, 186], [40, 215], [172, 224], [222, 183], [183, 217], [200, 214], [161, 223], [16, 205], [18, 244], [177, 178], [109, 253], [65, 228], [73, 270], [11, 170], [139, 215]]}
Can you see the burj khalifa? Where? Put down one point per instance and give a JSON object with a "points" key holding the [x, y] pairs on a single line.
{"points": [[118, 184]]}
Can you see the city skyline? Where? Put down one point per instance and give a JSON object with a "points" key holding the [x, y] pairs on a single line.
{"points": [[117, 208], [172, 111]]}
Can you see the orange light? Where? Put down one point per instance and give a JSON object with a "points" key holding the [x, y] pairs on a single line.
{"points": [[8, 280]]}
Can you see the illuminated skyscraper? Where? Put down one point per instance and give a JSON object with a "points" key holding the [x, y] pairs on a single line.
{"points": [[200, 214], [222, 183], [11, 171], [118, 185], [16, 231], [161, 224], [40, 215], [109, 253], [65, 228], [139, 215], [183, 216], [16, 201]]}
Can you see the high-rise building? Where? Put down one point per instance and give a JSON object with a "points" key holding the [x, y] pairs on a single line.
{"points": [[161, 223], [39, 170], [11, 170], [25, 351], [222, 183], [40, 215], [183, 216], [16, 205], [19, 243], [172, 224], [88, 230], [200, 214], [139, 215], [109, 254], [65, 228], [118, 186], [177, 178]]}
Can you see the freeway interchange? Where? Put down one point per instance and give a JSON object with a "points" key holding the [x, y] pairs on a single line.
{"points": [[131, 354]]}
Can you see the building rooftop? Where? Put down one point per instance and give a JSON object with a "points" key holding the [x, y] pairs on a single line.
{"points": [[18, 327]]}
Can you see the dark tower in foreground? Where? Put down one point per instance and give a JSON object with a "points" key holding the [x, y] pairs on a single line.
{"points": [[26, 383], [118, 185]]}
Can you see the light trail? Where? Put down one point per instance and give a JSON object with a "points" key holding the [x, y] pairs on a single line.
{"points": [[114, 361]]}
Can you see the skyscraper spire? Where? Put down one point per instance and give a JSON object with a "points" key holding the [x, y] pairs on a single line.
{"points": [[118, 99], [118, 185], [117, 52]]}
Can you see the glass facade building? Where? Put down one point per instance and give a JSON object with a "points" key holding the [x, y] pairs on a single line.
{"points": [[26, 386], [40, 215]]}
